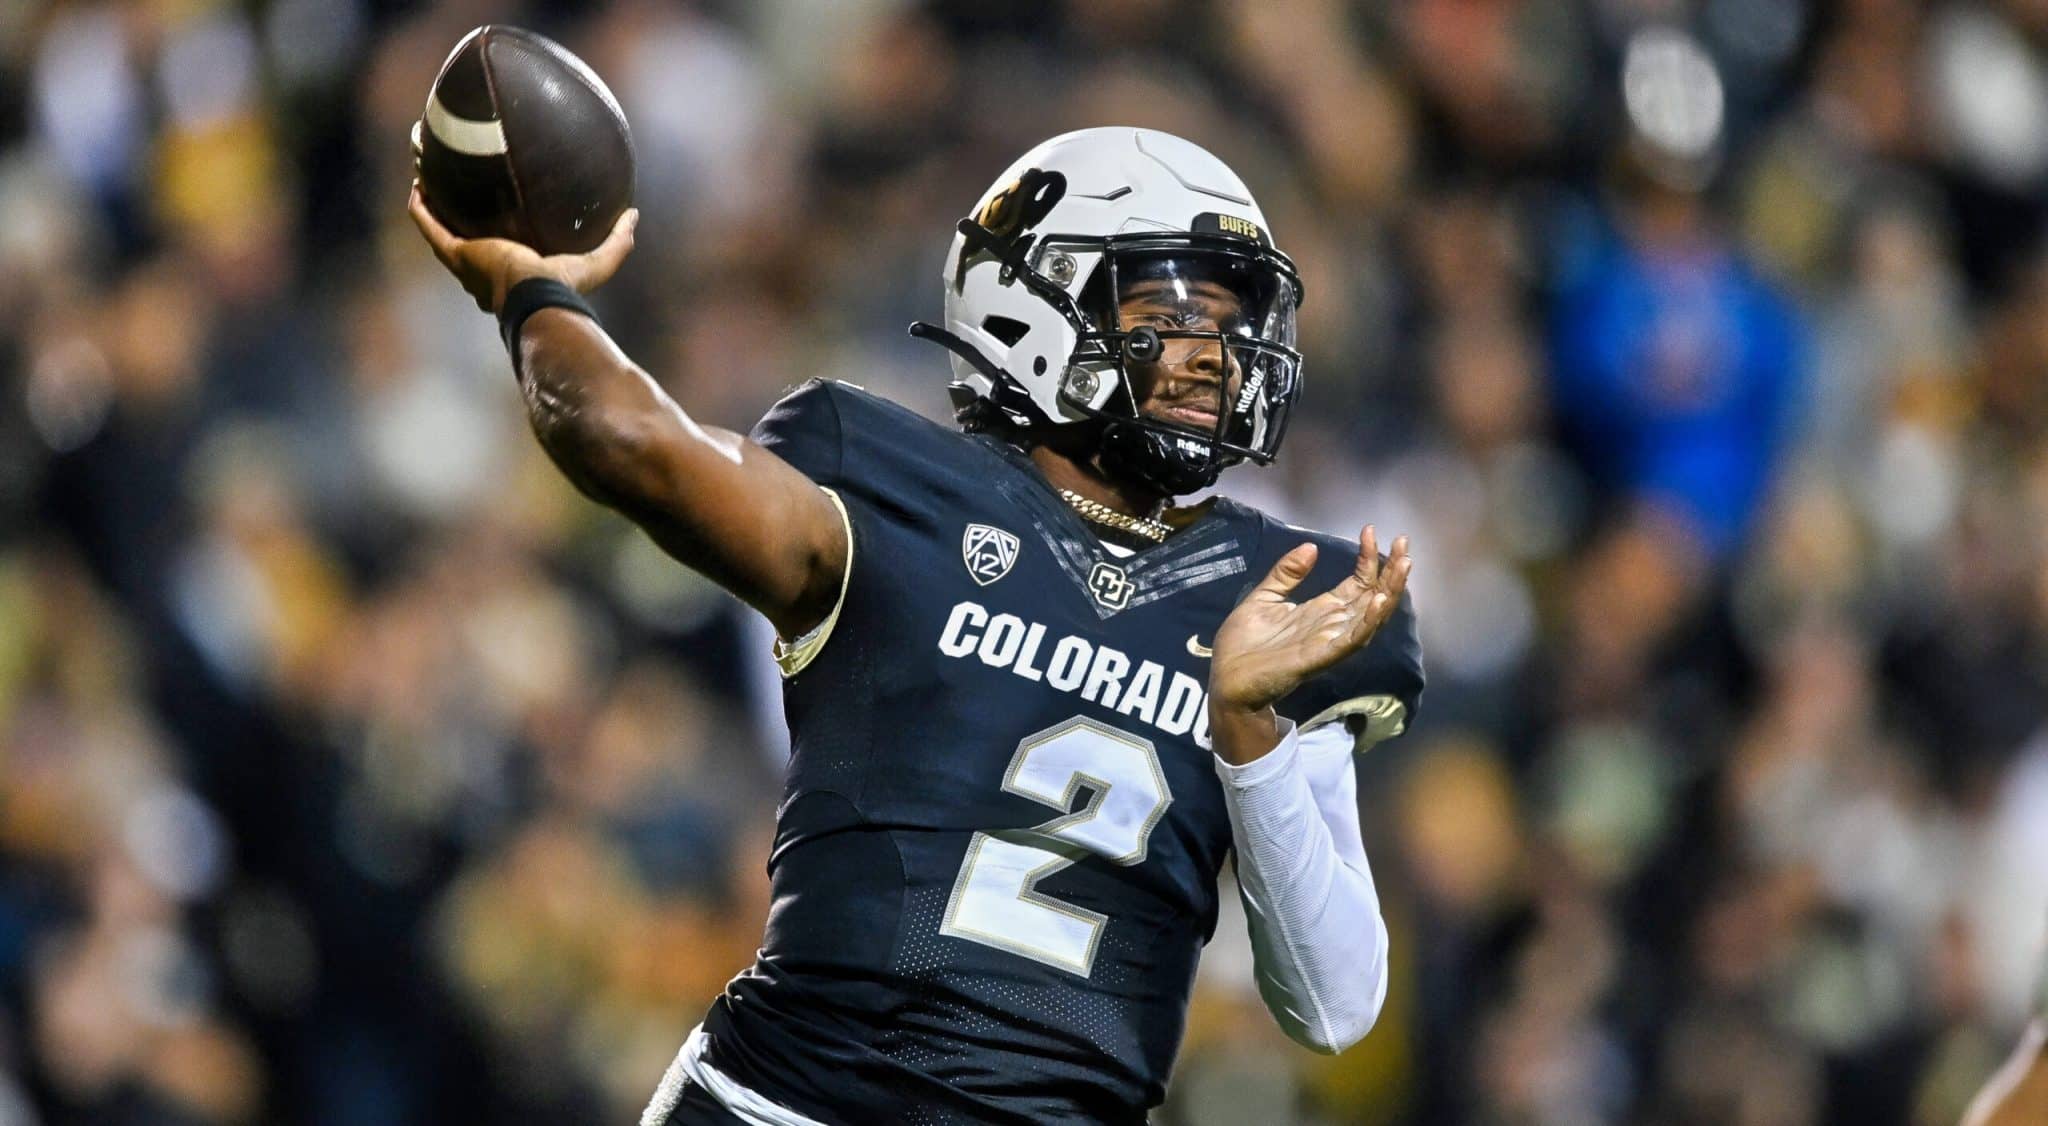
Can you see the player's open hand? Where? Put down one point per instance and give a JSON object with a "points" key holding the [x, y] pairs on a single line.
{"points": [[1269, 645], [489, 267]]}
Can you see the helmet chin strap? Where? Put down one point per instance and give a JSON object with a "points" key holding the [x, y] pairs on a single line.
{"points": [[1133, 452]]}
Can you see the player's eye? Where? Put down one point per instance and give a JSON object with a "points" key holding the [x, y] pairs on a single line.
{"points": [[1190, 319]]}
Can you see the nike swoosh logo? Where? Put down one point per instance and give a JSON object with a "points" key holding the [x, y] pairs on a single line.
{"points": [[1199, 649]]}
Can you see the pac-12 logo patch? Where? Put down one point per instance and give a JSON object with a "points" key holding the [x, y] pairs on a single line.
{"points": [[988, 552], [1109, 585]]}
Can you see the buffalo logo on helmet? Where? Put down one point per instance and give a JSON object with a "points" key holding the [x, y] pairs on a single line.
{"points": [[1002, 225], [1021, 203]]}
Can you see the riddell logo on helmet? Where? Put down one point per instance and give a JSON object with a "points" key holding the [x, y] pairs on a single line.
{"points": [[1251, 389]]}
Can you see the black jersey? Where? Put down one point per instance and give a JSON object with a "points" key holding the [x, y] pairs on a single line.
{"points": [[996, 857]]}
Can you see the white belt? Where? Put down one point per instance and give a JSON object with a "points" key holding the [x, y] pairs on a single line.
{"points": [[747, 1106]]}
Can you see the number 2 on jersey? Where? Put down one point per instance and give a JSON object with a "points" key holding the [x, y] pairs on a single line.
{"points": [[996, 900]]}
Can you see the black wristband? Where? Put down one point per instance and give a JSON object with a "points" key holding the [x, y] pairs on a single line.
{"points": [[529, 297]]}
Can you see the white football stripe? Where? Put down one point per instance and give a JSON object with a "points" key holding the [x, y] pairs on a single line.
{"points": [[466, 136]]}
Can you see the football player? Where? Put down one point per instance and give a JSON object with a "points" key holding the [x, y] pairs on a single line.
{"points": [[1033, 704]]}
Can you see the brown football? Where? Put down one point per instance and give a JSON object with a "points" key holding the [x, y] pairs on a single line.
{"points": [[521, 140]]}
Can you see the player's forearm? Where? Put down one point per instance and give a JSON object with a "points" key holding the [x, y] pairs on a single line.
{"points": [[710, 498], [1319, 944], [591, 407]]}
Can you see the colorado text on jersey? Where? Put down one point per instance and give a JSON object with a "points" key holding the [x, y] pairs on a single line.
{"points": [[1091, 670]]}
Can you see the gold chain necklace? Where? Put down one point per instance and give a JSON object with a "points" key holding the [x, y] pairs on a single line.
{"points": [[1097, 512]]}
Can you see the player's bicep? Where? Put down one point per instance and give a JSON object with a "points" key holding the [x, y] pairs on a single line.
{"points": [[728, 507], [731, 509]]}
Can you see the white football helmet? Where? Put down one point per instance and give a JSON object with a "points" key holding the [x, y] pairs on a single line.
{"points": [[1033, 285]]}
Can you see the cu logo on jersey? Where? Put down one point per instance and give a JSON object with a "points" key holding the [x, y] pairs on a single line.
{"points": [[988, 552], [1109, 586]]}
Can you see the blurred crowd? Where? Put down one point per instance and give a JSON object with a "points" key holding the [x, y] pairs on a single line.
{"points": [[353, 770]]}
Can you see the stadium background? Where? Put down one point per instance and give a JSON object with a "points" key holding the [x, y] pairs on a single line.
{"points": [[353, 770]]}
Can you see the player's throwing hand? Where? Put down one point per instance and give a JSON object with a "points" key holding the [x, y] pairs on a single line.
{"points": [[489, 267], [1269, 645]]}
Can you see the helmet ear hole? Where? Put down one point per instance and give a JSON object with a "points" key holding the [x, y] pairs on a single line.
{"points": [[1009, 330], [1038, 365]]}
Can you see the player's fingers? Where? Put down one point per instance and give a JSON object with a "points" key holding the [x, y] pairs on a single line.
{"points": [[596, 267], [1378, 607], [1368, 570], [1380, 604], [1287, 573], [1394, 576], [437, 236]]}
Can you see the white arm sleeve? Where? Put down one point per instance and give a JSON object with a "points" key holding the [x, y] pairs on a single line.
{"points": [[1319, 946]]}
